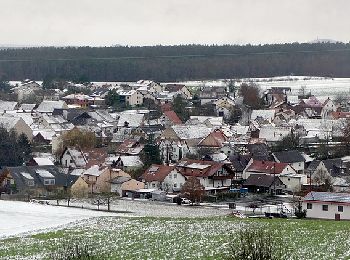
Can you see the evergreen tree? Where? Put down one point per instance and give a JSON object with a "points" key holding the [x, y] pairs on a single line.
{"points": [[151, 153], [15, 150], [179, 106], [113, 99]]}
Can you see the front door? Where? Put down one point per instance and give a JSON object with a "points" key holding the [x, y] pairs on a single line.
{"points": [[337, 216]]}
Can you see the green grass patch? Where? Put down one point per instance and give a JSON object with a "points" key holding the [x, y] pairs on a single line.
{"points": [[183, 238]]}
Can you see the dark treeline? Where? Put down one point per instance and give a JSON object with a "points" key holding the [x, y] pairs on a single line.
{"points": [[173, 63]]}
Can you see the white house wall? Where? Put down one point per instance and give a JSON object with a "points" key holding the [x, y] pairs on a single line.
{"points": [[317, 212]]}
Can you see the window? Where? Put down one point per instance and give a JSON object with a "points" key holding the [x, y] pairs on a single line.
{"points": [[175, 175], [175, 185], [49, 181], [30, 183], [309, 206], [153, 185], [340, 208], [325, 207]]}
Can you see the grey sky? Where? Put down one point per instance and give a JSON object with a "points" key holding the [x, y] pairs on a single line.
{"points": [[150, 22]]}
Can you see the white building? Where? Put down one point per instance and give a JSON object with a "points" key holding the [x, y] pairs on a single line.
{"points": [[163, 177], [327, 205]]}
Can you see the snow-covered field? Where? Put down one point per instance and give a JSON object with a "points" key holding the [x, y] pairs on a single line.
{"points": [[318, 86], [21, 217]]}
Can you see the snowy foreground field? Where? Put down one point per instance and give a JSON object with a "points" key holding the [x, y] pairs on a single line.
{"points": [[128, 236]]}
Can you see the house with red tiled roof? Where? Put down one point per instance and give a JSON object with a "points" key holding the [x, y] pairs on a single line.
{"points": [[284, 171], [215, 140], [169, 118], [211, 174], [339, 115], [163, 177]]}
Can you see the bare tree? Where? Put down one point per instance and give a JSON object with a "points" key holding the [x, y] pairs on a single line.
{"points": [[193, 189], [322, 177], [251, 94]]}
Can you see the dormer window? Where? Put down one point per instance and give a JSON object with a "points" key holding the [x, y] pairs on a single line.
{"points": [[49, 181]]}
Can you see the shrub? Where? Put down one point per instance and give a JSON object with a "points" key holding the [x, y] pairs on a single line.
{"points": [[76, 251], [255, 243]]}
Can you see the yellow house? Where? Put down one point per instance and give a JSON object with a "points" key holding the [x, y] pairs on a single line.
{"points": [[80, 188]]}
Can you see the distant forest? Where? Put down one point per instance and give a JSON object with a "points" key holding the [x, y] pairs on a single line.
{"points": [[175, 63]]}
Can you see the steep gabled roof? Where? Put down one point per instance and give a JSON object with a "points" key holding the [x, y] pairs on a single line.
{"points": [[173, 117], [214, 139], [156, 172], [198, 168], [174, 87], [267, 167]]}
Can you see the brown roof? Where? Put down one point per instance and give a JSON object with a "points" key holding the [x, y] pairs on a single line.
{"points": [[166, 107], [198, 168], [267, 167], [129, 146], [172, 116], [96, 156], [156, 172], [214, 139], [337, 115], [174, 87]]}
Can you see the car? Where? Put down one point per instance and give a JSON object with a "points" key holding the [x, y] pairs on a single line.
{"points": [[185, 201]]}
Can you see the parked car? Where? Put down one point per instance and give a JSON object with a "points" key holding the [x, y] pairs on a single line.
{"points": [[185, 201]]}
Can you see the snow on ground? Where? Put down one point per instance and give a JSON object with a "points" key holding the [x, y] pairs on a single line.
{"points": [[319, 86], [21, 217], [145, 208]]}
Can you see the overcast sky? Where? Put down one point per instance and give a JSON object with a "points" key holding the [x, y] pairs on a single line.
{"points": [[167, 22]]}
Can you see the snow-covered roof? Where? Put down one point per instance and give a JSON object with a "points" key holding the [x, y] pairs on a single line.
{"points": [[132, 120], [9, 122], [48, 134], [213, 120], [198, 166], [264, 114], [27, 175], [27, 107], [43, 161], [273, 134], [78, 157], [292, 99], [77, 172], [186, 132], [93, 171], [78, 97], [27, 117], [131, 161], [128, 161], [57, 119], [240, 129], [7, 105], [44, 173], [48, 106]]}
